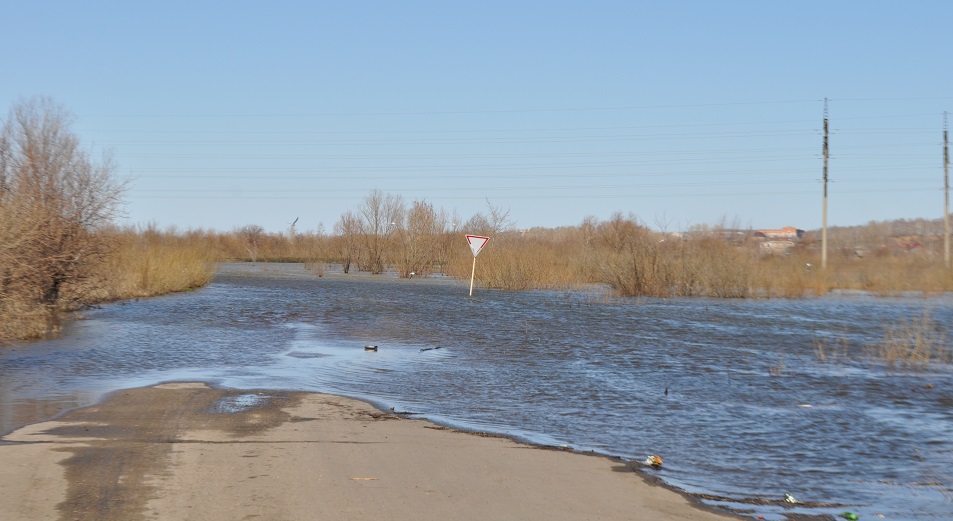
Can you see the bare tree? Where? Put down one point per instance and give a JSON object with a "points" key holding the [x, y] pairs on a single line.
{"points": [[419, 240], [479, 224], [53, 198], [252, 236], [499, 218], [495, 221], [348, 230], [448, 242], [380, 214]]}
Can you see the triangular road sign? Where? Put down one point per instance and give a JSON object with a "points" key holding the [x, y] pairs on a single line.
{"points": [[477, 242]]}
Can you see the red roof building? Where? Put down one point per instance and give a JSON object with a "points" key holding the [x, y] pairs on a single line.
{"points": [[788, 232]]}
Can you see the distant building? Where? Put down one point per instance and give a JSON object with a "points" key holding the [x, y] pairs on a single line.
{"points": [[777, 246], [788, 232]]}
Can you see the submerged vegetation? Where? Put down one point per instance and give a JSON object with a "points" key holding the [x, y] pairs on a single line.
{"points": [[917, 342], [60, 251], [910, 343]]}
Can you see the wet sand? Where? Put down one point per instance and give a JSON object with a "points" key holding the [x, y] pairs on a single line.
{"points": [[190, 452]]}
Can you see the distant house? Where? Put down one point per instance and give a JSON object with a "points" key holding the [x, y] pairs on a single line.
{"points": [[788, 232], [777, 246]]}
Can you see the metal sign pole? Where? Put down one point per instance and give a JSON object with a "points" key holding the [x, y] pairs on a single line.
{"points": [[476, 242], [472, 273]]}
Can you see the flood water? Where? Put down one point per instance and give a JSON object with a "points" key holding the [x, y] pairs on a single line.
{"points": [[731, 393]]}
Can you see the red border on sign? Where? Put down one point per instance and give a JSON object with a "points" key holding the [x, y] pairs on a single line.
{"points": [[470, 242]]}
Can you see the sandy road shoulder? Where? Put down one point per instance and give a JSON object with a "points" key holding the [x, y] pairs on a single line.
{"points": [[185, 451]]}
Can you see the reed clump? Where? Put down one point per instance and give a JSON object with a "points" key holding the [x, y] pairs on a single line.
{"points": [[913, 343], [516, 262], [891, 274], [153, 263], [132, 265], [916, 342], [22, 318], [834, 350]]}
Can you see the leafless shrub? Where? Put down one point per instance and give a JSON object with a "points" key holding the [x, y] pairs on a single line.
{"points": [[348, 230], [378, 218], [638, 262], [418, 240], [252, 236], [53, 200], [494, 222]]}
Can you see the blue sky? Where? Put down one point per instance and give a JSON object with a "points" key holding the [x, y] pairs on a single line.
{"points": [[223, 114]]}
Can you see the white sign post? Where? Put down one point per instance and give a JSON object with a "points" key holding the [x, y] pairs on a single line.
{"points": [[477, 242]]}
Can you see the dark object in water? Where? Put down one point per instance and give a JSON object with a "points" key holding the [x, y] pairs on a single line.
{"points": [[370, 348]]}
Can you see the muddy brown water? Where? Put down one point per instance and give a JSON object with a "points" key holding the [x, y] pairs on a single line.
{"points": [[731, 393]]}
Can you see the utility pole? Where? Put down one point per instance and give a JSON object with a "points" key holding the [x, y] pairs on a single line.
{"points": [[824, 220], [946, 194]]}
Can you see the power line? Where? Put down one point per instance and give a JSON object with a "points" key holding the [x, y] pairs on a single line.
{"points": [[522, 197], [452, 112]]}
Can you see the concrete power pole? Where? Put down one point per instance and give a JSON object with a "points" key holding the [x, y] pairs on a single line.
{"points": [[946, 194], [824, 219]]}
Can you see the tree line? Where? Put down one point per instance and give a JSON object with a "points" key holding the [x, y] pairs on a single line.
{"points": [[60, 249]]}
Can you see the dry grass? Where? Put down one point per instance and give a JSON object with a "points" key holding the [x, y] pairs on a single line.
{"points": [[511, 262], [153, 263], [895, 274], [619, 253], [835, 350], [140, 264], [916, 342], [623, 254], [21, 319], [913, 343]]}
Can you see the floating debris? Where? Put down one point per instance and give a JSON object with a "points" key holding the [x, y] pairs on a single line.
{"points": [[849, 516], [370, 348], [788, 498], [654, 461]]}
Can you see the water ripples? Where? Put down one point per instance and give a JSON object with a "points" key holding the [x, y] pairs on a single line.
{"points": [[731, 393]]}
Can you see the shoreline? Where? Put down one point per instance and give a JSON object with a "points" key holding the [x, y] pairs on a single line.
{"points": [[191, 451]]}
